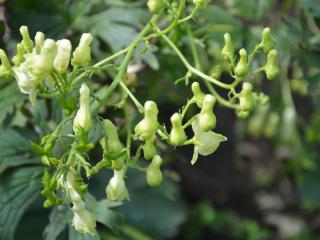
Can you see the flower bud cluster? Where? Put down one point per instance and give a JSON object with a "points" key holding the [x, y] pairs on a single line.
{"points": [[248, 100], [241, 69], [205, 140], [36, 61]]}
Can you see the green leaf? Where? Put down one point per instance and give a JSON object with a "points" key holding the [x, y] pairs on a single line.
{"points": [[118, 27], [161, 205], [60, 218], [74, 235], [10, 97], [15, 150], [18, 189], [102, 212], [58, 221]]}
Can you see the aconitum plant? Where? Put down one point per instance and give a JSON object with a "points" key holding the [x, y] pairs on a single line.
{"points": [[54, 69]]}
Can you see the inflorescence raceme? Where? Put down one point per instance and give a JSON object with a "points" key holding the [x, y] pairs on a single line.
{"points": [[50, 69]]}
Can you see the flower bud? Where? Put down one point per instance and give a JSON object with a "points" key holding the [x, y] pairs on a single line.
{"points": [[19, 57], [5, 68], [149, 125], [83, 220], [266, 42], [39, 41], [62, 59], [82, 54], [116, 189], [207, 119], [272, 125], [154, 174], [242, 67], [27, 82], [256, 123], [149, 148], [246, 98], [83, 116], [42, 64], [243, 114], [228, 49], [288, 125], [197, 94], [177, 134], [113, 143], [156, 6], [202, 3], [271, 68], [26, 40]]}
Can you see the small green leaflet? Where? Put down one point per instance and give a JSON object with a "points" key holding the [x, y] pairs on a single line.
{"points": [[10, 97], [18, 189], [58, 220], [15, 150]]}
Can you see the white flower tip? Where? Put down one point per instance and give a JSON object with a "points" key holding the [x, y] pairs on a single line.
{"points": [[84, 89], [86, 39], [49, 43], [64, 44]]}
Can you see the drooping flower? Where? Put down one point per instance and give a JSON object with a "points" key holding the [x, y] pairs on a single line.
{"points": [[149, 125], [205, 143], [154, 174], [116, 189], [82, 54], [83, 220]]}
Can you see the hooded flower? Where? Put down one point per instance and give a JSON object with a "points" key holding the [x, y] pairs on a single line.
{"points": [[27, 82], [83, 116], [116, 189], [83, 220], [205, 142]]}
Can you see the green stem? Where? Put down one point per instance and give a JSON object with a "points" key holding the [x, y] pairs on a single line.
{"points": [[173, 24], [197, 64], [220, 99], [192, 69], [133, 98], [126, 109], [185, 109], [191, 120], [254, 52], [100, 63], [192, 14], [95, 106]]}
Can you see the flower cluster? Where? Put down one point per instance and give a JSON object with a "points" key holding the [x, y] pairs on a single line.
{"points": [[42, 68], [248, 99], [37, 64]]}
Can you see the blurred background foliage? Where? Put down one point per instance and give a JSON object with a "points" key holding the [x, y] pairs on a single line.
{"points": [[261, 184]]}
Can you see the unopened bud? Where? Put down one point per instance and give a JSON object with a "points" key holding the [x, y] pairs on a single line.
{"points": [[62, 59], [82, 54]]}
